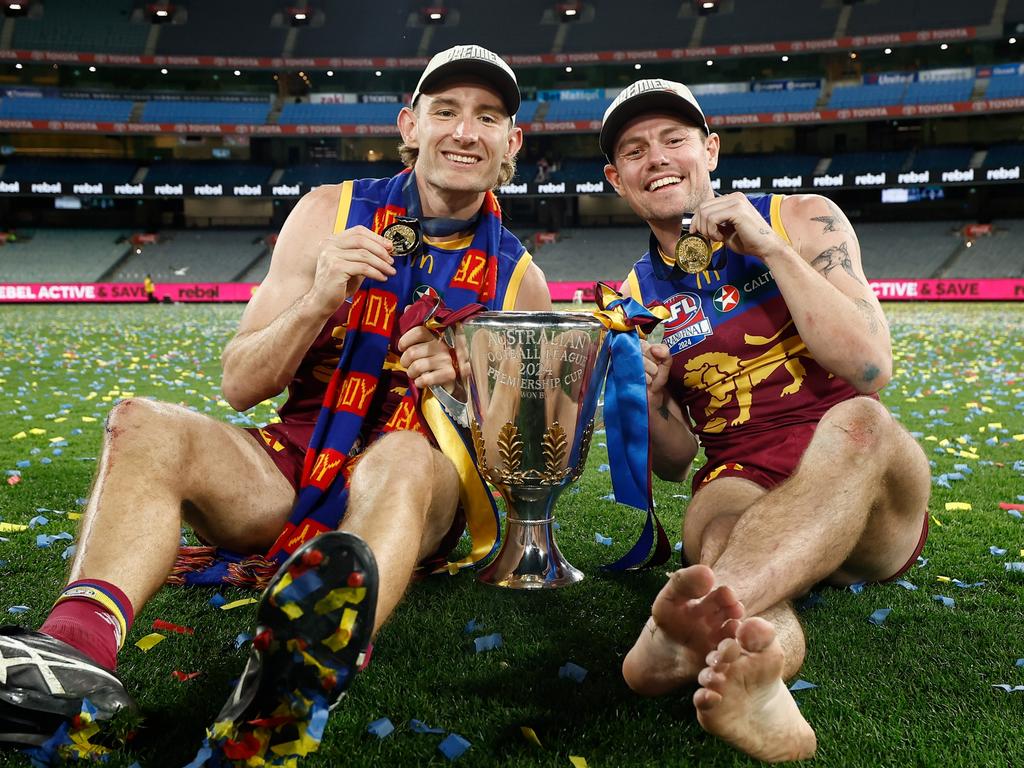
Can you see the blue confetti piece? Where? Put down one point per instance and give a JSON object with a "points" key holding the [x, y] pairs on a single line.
{"points": [[949, 602], [23, 464], [16, 609], [381, 728], [878, 617], [37, 520], [572, 672], [76, 431], [453, 746], [906, 585], [57, 451], [43, 541], [1014, 513], [69, 552], [608, 497], [922, 561], [605, 540], [81, 501], [1009, 688], [487, 642], [1020, 497], [996, 551], [1019, 567], [965, 468], [604, 468], [1020, 663], [204, 754], [857, 587], [46, 460], [242, 639], [472, 626], [418, 726], [964, 585], [217, 600], [677, 547], [801, 685]]}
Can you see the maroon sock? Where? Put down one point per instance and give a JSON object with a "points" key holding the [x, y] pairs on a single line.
{"points": [[93, 616]]}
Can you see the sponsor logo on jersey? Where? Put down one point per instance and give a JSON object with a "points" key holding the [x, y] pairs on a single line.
{"points": [[686, 325], [726, 298]]}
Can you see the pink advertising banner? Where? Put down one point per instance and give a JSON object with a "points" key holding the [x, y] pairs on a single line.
{"points": [[980, 289]]}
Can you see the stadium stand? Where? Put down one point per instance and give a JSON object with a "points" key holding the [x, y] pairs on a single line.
{"points": [[71, 25], [673, 30], [907, 249], [315, 174], [505, 27], [114, 110], [194, 256], [995, 255], [802, 20], [862, 162], [342, 114], [846, 96], [930, 158], [869, 18], [59, 255], [1005, 87], [592, 254], [207, 172], [205, 112], [31, 169], [227, 27], [384, 31], [934, 93]]}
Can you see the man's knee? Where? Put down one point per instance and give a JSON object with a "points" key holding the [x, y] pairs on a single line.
{"points": [[862, 424]]}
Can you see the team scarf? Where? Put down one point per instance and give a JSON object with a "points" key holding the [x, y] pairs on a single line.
{"points": [[352, 393]]}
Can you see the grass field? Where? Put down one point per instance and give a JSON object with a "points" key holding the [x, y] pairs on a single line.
{"points": [[916, 690]]}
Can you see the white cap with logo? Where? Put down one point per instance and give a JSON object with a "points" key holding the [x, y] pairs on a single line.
{"points": [[653, 95], [472, 60]]}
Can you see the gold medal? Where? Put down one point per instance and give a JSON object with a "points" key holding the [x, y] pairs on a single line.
{"points": [[693, 253], [404, 234]]}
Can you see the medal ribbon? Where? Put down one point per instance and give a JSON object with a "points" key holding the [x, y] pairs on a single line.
{"points": [[626, 419]]}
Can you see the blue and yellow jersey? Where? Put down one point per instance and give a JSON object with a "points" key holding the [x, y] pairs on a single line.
{"points": [[738, 361]]}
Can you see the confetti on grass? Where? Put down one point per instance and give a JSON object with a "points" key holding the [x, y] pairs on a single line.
{"points": [[238, 603], [146, 643], [801, 685], [453, 746], [381, 728], [572, 672], [487, 642], [418, 726], [878, 617]]}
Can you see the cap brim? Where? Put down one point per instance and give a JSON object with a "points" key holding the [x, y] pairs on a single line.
{"points": [[652, 101], [490, 73]]}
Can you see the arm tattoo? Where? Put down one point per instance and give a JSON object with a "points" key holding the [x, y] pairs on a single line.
{"points": [[663, 411], [870, 373], [868, 311], [828, 221], [835, 256]]}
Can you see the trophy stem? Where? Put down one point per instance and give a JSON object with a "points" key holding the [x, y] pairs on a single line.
{"points": [[529, 557]]}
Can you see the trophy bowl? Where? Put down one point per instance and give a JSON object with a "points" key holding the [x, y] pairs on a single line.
{"points": [[532, 381]]}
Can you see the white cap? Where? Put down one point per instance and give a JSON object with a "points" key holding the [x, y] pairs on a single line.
{"points": [[653, 95], [472, 60]]}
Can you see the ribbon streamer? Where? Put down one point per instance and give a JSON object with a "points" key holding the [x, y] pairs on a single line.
{"points": [[626, 419]]}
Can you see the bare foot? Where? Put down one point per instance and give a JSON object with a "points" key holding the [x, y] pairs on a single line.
{"points": [[686, 623], [744, 701]]}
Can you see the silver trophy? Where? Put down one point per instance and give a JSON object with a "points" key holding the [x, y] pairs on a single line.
{"points": [[532, 381]]}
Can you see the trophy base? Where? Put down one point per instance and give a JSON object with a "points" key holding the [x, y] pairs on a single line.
{"points": [[529, 559]]}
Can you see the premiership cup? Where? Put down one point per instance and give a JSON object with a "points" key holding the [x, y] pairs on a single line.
{"points": [[532, 381]]}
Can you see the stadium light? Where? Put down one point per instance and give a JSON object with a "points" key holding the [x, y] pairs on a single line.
{"points": [[92, 69], [707, 7], [1012, 41], [944, 47], [378, 73], [433, 15], [785, 58], [709, 62], [238, 73], [163, 71], [568, 11], [298, 17], [160, 13], [637, 66], [887, 51], [330, 73], [15, 9], [568, 69], [19, 65]]}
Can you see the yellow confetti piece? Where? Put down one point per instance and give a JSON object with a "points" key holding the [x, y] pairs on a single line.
{"points": [[577, 761], [74, 515], [56, 439], [60, 419], [986, 409], [995, 425], [944, 441], [962, 440], [967, 455], [943, 578], [338, 597], [292, 610], [1019, 438], [958, 506], [935, 521], [932, 438], [10, 527], [88, 419], [341, 638], [19, 436], [147, 642], [238, 603], [37, 431], [530, 736]]}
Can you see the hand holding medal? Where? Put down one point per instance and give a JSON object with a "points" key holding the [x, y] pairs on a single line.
{"points": [[693, 250], [405, 235]]}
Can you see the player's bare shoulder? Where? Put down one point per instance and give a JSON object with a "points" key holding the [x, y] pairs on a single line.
{"points": [[814, 215]]}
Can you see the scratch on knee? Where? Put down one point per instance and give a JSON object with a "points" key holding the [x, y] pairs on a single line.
{"points": [[651, 626]]}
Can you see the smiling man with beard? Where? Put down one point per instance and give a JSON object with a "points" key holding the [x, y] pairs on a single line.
{"points": [[773, 352]]}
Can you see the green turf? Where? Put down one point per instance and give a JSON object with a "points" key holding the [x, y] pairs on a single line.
{"points": [[915, 691]]}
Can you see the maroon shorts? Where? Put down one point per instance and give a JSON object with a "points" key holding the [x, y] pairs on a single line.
{"points": [[286, 445], [770, 458]]}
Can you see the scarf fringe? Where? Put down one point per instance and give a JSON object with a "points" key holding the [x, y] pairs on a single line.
{"points": [[190, 560]]}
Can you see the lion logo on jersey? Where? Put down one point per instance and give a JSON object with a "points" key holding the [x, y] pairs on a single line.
{"points": [[727, 378]]}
